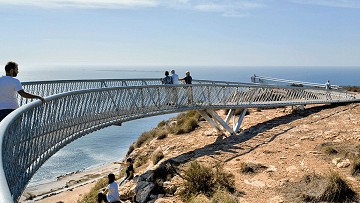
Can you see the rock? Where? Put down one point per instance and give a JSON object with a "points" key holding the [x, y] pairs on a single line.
{"points": [[255, 183], [147, 176], [143, 190], [162, 200], [127, 190], [169, 187], [276, 199], [343, 164], [271, 168], [292, 169]]}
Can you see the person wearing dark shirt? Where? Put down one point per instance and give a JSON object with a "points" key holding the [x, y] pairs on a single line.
{"points": [[188, 81], [187, 78], [129, 170]]}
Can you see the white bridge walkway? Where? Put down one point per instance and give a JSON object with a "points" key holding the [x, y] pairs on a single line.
{"points": [[33, 133]]}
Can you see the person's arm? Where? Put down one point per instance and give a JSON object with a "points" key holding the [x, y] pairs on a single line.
{"points": [[30, 96]]}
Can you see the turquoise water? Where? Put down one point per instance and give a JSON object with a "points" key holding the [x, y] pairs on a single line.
{"points": [[112, 143]]}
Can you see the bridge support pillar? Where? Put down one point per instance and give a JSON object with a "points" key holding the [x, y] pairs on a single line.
{"points": [[214, 119]]}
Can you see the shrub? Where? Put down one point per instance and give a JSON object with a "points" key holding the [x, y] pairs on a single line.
{"points": [[355, 168], [198, 179], [161, 124], [251, 167], [141, 159], [131, 149], [157, 156], [223, 196], [91, 197], [186, 122], [198, 199], [330, 150], [162, 134], [201, 179], [352, 88], [144, 138], [337, 190]]}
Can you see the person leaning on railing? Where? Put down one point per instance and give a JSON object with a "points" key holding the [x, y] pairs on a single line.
{"points": [[9, 87]]}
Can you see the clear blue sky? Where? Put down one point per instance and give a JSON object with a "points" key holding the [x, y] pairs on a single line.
{"points": [[180, 32]]}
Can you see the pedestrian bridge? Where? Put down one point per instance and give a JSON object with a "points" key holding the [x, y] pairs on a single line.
{"points": [[34, 132]]}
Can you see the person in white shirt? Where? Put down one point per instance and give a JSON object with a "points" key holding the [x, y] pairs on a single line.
{"points": [[175, 77], [9, 88], [111, 193]]}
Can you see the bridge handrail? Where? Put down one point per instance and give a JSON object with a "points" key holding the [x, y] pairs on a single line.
{"points": [[51, 87], [35, 131], [261, 79]]}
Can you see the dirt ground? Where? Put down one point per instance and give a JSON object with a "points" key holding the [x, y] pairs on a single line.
{"points": [[288, 145]]}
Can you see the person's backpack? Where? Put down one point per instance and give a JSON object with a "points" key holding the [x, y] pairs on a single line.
{"points": [[168, 80]]}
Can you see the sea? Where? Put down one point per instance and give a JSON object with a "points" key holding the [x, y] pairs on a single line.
{"points": [[112, 143]]}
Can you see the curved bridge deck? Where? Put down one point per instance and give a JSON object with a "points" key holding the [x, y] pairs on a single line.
{"points": [[34, 132]]}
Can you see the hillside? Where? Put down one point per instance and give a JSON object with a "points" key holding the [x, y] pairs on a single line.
{"points": [[282, 148]]}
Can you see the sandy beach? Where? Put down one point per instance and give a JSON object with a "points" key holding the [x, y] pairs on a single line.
{"points": [[68, 188]]}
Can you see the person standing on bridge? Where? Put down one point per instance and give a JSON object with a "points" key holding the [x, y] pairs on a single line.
{"points": [[327, 85], [9, 87], [175, 79], [188, 81]]}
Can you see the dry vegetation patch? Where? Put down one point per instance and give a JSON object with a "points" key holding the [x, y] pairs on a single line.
{"points": [[252, 167], [317, 188]]}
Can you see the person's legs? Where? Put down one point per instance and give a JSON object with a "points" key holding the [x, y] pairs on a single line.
{"points": [[4, 113], [122, 181], [101, 197]]}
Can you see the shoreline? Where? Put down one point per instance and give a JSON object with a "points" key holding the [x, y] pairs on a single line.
{"points": [[68, 182]]}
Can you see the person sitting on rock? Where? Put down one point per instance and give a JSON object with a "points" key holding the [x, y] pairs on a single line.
{"points": [[111, 193], [129, 170]]}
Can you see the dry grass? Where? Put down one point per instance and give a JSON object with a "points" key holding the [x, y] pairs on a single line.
{"points": [[317, 188], [355, 167], [157, 156], [91, 197], [201, 179], [352, 88], [251, 167], [330, 150]]}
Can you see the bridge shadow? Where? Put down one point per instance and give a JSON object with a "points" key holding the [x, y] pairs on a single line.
{"points": [[230, 144]]}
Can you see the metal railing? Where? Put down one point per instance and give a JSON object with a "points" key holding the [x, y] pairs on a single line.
{"points": [[34, 132], [47, 88], [278, 81]]}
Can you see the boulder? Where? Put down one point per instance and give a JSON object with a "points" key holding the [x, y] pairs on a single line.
{"points": [[143, 191]]}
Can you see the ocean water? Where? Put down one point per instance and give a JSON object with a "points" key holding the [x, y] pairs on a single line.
{"points": [[111, 144]]}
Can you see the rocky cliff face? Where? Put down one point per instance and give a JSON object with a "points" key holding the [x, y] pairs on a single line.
{"points": [[281, 149]]}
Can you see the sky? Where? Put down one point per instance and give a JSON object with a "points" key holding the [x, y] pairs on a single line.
{"points": [[180, 32]]}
